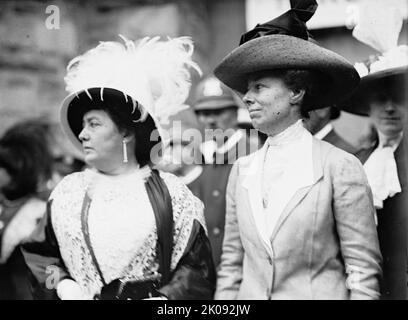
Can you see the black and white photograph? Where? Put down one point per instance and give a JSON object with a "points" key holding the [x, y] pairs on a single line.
{"points": [[219, 151]]}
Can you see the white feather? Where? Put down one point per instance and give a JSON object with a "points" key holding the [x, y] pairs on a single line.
{"points": [[153, 72], [378, 24]]}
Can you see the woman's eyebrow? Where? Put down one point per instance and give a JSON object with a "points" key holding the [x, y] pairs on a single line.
{"points": [[89, 118], [255, 78]]}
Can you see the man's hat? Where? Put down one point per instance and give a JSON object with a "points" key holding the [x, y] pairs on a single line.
{"points": [[212, 94], [378, 25], [284, 43]]}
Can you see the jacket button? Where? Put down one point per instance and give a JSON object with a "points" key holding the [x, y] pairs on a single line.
{"points": [[216, 231], [215, 193]]}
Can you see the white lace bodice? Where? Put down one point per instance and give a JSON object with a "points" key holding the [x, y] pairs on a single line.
{"points": [[124, 241], [120, 219]]}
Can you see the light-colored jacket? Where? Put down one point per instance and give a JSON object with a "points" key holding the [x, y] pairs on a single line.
{"points": [[324, 245]]}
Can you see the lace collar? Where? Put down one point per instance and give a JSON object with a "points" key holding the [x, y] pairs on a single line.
{"points": [[384, 141]]}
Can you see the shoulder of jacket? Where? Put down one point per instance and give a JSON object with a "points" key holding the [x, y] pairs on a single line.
{"points": [[339, 160], [333, 156]]}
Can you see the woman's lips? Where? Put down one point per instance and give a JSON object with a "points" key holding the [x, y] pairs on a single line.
{"points": [[391, 118], [253, 113]]}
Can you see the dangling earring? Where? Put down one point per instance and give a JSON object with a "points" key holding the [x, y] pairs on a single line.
{"points": [[125, 156]]}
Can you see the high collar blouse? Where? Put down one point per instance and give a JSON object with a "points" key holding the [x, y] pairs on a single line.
{"points": [[287, 167]]}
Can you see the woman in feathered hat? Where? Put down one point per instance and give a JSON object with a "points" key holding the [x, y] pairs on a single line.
{"points": [[300, 219], [122, 230], [382, 95]]}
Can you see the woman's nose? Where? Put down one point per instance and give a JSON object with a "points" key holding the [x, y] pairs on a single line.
{"points": [[83, 135], [247, 98]]}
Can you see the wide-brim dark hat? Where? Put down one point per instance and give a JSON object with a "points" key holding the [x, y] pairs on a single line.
{"points": [[393, 80], [279, 51], [77, 104]]}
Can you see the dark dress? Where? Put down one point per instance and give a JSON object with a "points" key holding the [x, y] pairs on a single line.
{"points": [[393, 230], [192, 278]]}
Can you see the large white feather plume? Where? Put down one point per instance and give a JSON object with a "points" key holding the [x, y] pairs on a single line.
{"points": [[153, 72], [376, 23]]}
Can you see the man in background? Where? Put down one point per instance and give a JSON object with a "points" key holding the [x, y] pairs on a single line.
{"points": [[217, 111], [319, 124]]}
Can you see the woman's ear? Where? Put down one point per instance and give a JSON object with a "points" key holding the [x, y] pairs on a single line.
{"points": [[127, 136], [297, 96]]}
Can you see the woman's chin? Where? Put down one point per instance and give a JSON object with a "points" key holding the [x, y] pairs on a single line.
{"points": [[91, 160], [259, 125]]}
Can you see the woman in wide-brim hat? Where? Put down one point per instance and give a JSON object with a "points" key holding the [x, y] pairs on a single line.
{"points": [[300, 219], [393, 80], [382, 96], [121, 229]]}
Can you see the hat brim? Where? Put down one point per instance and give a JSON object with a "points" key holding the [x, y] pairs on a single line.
{"points": [[215, 104], [357, 103], [287, 52], [76, 104]]}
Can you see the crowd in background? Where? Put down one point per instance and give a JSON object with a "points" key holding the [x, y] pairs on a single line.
{"points": [[31, 165]]}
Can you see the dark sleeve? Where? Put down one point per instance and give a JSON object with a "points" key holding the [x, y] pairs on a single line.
{"points": [[43, 259], [194, 276]]}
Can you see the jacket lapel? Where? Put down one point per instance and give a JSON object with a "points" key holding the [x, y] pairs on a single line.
{"points": [[302, 192], [252, 180], [253, 185]]}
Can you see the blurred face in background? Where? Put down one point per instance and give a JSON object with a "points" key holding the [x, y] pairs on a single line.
{"points": [[176, 156], [317, 120], [225, 118], [5, 178], [101, 141], [388, 111]]}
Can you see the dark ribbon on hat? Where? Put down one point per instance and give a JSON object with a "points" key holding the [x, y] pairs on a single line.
{"points": [[291, 23]]}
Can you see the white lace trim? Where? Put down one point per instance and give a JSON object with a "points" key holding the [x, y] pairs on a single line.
{"points": [[120, 219], [66, 218]]}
